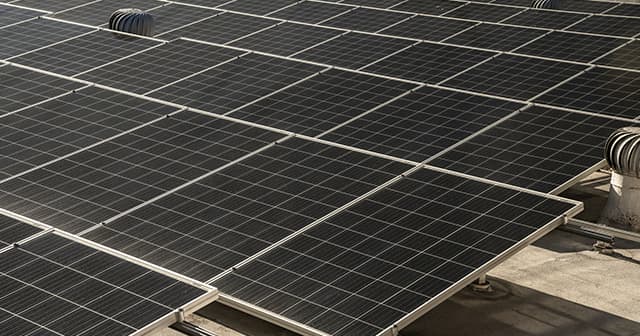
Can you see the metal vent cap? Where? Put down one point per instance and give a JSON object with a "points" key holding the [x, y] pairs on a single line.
{"points": [[622, 151], [132, 20]]}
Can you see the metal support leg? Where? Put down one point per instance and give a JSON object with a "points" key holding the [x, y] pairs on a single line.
{"points": [[482, 285]]}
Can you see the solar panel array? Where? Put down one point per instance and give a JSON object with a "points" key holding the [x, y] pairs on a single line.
{"points": [[339, 167]]}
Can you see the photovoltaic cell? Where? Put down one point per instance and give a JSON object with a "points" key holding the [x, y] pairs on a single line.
{"points": [[429, 62], [259, 7], [539, 148], [515, 76], [571, 46], [21, 87], [323, 102], [173, 16], [366, 19], [423, 123], [54, 286], [160, 66], [625, 57], [50, 5], [363, 270], [627, 9], [98, 13], [233, 84], [45, 132], [435, 7], [84, 53], [496, 37], [34, 34], [310, 11], [545, 19], [13, 231], [428, 28], [600, 90], [10, 15], [96, 184], [484, 12], [286, 38], [609, 25], [210, 226], [222, 28], [354, 50]]}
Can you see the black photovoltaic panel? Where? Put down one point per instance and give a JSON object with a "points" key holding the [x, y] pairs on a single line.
{"points": [[54, 286], [428, 28], [259, 7], [286, 38], [21, 87], [222, 28], [34, 34], [571, 46], [545, 19], [10, 15], [609, 25], [521, 3], [323, 102], [172, 16], [435, 7], [484, 12], [373, 3], [310, 11], [626, 57], [429, 62], [84, 53], [539, 148], [600, 90], [160, 66], [354, 50], [515, 76], [59, 127], [361, 271], [423, 123], [586, 6], [211, 226], [98, 183], [627, 9], [233, 84], [50, 5], [98, 13], [13, 231], [496, 37], [366, 19]]}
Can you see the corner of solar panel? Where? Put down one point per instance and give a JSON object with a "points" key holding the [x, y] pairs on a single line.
{"points": [[331, 167]]}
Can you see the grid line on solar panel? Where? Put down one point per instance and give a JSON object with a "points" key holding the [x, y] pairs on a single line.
{"points": [[429, 62], [515, 76], [13, 231], [628, 56], [322, 102], [91, 186], [59, 127], [423, 123], [241, 210], [539, 148], [236, 83], [34, 34], [571, 46], [428, 28], [495, 37], [600, 90], [310, 12], [362, 270], [545, 19], [51, 279], [157, 67], [12, 15], [97, 13], [84, 52], [365, 19]]}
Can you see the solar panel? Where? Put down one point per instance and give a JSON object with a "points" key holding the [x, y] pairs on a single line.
{"points": [[286, 38], [10, 15], [222, 28], [323, 102], [484, 12], [34, 34], [586, 6], [434, 7], [259, 7], [13, 231], [55, 286], [366, 19], [21, 87], [496, 37], [421, 124], [368, 269], [609, 25], [310, 11], [59, 127], [160, 66], [173, 16], [373, 3], [210, 226], [571, 46], [207, 3], [626, 57], [515, 76], [428, 28], [84, 52], [545, 18], [97, 13], [50, 5], [600, 90], [354, 50], [96, 184], [539, 148], [428, 62], [627, 9], [236, 83]]}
